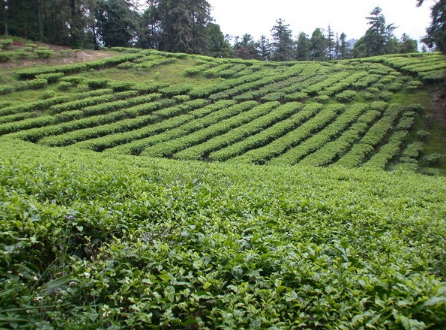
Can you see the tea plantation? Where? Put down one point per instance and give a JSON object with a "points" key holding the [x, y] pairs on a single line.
{"points": [[131, 195]]}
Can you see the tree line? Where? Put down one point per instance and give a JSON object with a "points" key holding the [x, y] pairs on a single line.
{"points": [[187, 26]]}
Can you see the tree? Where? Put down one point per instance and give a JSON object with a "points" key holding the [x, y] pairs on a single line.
{"points": [[343, 50], [217, 45], [182, 24], [436, 32], [264, 49], [378, 38], [245, 48], [303, 47], [115, 23], [4, 16], [330, 44], [408, 45], [282, 45], [318, 46]]}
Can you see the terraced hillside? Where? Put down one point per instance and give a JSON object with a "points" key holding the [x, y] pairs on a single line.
{"points": [[353, 113], [99, 230]]}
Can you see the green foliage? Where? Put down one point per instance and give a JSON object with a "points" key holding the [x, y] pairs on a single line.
{"points": [[5, 43], [6, 89], [43, 52], [215, 246]]}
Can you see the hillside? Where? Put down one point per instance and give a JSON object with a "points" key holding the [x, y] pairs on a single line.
{"points": [[375, 112], [131, 195]]}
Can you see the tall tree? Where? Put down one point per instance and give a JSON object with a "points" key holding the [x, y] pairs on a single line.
{"points": [[303, 48], [330, 44], [436, 32], [217, 45], [264, 49], [115, 23], [4, 16], [408, 45], [282, 45], [343, 50], [182, 24], [318, 45], [245, 47], [378, 38]]}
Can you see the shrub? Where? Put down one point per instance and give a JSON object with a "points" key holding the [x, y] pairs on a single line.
{"points": [[48, 94], [176, 90], [6, 89], [322, 98], [432, 159], [346, 96], [32, 84], [50, 77], [4, 57], [413, 85], [5, 43], [43, 53], [72, 80], [423, 135], [21, 54], [119, 86], [64, 86], [97, 83]]}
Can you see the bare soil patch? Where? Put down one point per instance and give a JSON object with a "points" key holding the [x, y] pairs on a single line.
{"points": [[68, 56]]}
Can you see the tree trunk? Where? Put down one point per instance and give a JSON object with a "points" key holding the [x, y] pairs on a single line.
{"points": [[39, 17], [5, 17]]}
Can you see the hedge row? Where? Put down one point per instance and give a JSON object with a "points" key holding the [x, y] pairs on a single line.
{"points": [[205, 128], [273, 113], [25, 124], [31, 73], [15, 117], [388, 151], [269, 134], [335, 148], [316, 141], [293, 138], [32, 106], [234, 140], [372, 138], [37, 134], [72, 137], [134, 141], [175, 145]]}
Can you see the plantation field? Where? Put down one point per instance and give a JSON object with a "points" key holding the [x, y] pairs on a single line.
{"points": [[364, 112], [108, 241], [131, 195]]}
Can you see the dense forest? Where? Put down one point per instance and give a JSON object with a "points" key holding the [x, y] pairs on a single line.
{"points": [[187, 26]]}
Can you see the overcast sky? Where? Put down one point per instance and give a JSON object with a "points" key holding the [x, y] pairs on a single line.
{"points": [[257, 17]]}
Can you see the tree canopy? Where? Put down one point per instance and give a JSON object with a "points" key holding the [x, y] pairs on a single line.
{"points": [[187, 26]]}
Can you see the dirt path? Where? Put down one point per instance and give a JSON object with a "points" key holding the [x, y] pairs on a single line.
{"points": [[66, 57]]}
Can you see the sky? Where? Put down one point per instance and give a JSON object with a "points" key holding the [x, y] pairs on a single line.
{"points": [[257, 17]]}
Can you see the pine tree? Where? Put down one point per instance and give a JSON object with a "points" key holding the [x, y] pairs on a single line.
{"points": [[344, 47], [264, 49], [330, 44], [407, 45], [181, 24], [245, 47], [115, 23], [282, 46], [217, 45], [303, 47], [318, 46], [378, 39]]}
